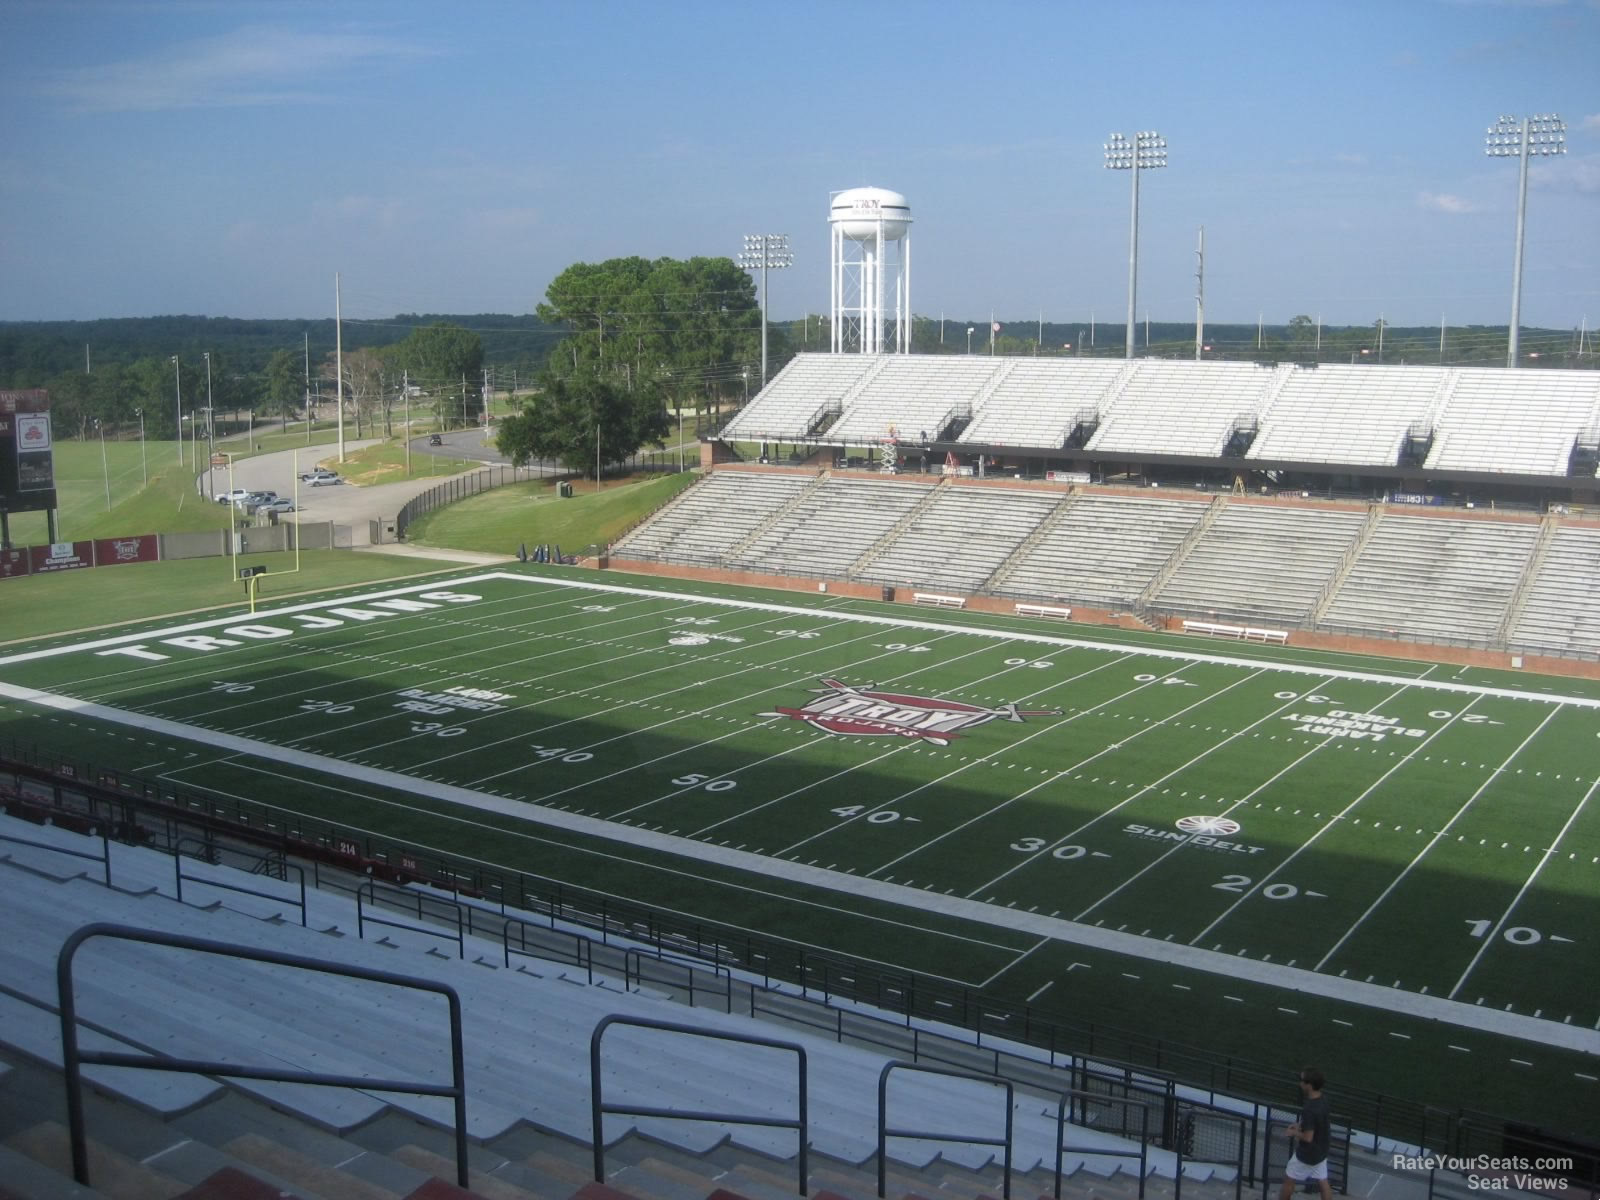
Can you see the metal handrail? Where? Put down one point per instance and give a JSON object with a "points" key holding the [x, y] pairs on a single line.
{"points": [[450, 907], [103, 858], [598, 1106], [583, 946], [634, 958], [73, 1058], [885, 1133], [1142, 1153], [179, 877]]}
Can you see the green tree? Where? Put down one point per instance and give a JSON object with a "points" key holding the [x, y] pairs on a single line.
{"points": [[445, 360], [285, 384], [575, 407], [634, 318]]}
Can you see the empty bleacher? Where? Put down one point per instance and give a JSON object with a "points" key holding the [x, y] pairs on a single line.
{"points": [[1177, 408], [526, 1057], [1037, 403], [1350, 415], [1261, 563], [706, 520], [1514, 422], [1559, 615], [825, 531], [913, 394], [957, 541], [1103, 551], [1432, 579], [796, 397]]}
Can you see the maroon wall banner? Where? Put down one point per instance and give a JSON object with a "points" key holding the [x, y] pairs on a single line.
{"points": [[109, 552], [13, 562], [61, 556]]}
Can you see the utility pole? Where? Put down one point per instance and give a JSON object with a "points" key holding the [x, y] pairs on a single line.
{"points": [[338, 360], [1200, 293]]}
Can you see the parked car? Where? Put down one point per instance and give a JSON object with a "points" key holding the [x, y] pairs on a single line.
{"points": [[230, 497], [322, 479], [251, 501], [279, 505], [308, 476]]}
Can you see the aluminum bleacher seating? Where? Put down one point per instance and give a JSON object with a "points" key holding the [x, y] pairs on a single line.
{"points": [[1181, 408], [705, 521], [1358, 415], [1432, 579], [1558, 613], [958, 540], [1104, 550], [1261, 563], [914, 394], [526, 1042], [1514, 422], [826, 530], [796, 397], [1037, 402]]}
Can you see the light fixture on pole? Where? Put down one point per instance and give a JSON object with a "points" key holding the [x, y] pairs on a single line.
{"points": [[1145, 151], [765, 252], [1508, 138], [177, 390]]}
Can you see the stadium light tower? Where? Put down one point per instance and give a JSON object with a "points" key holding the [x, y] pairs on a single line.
{"points": [[1508, 137], [765, 252], [1146, 151]]}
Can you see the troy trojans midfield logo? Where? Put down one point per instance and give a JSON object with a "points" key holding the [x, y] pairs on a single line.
{"points": [[862, 712]]}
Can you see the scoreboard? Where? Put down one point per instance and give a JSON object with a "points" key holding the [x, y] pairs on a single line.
{"points": [[27, 461]]}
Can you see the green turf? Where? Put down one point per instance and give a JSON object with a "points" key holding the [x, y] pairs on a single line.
{"points": [[39, 605], [533, 514], [1455, 854]]}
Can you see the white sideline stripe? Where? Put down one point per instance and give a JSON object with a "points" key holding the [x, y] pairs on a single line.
{"points": [[1383, 999], [445, 585]]}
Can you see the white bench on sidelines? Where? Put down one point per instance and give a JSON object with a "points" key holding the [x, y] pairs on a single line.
{"points": [[939, 601], [1239, 633], [1044, 610]]}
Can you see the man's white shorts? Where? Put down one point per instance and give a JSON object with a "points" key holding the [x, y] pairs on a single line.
{"points": [[1299, 1172]]}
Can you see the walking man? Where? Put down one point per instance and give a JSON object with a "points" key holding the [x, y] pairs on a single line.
{"points": [[1309, 1137]]}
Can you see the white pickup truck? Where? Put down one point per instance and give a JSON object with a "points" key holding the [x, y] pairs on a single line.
{"points": [[234, 495]]}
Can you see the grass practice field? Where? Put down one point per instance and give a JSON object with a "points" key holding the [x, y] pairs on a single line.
{"points": [[1390, 868]]}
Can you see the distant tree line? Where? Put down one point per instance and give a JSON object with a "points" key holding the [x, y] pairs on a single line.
{"points": [[114, 371]]}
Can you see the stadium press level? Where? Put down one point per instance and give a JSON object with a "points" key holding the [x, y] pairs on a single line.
{"points": [[1395, 862]]}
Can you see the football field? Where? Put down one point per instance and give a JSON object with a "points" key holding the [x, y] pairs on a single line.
{"points": [[1268, 851]]}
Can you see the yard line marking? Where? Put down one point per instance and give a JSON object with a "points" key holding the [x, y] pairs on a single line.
{"points": [[1493, 933], [1063, 840], [1044, 941], [1434, 840], [1236, 804]]}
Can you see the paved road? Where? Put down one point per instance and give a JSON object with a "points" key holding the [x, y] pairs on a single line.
{"points": [[343, 504]]}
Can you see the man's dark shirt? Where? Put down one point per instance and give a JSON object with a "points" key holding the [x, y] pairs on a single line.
{"points": [[1313, 1117]]}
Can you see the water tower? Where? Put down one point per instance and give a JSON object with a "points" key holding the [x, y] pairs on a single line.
{"points": [[866, 224]]}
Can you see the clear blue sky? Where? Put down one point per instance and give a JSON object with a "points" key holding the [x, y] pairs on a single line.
{"points": [[184, 156]]}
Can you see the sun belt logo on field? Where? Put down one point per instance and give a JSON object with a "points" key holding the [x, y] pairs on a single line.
{"points": [[1215, 826], [863, 712]]}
